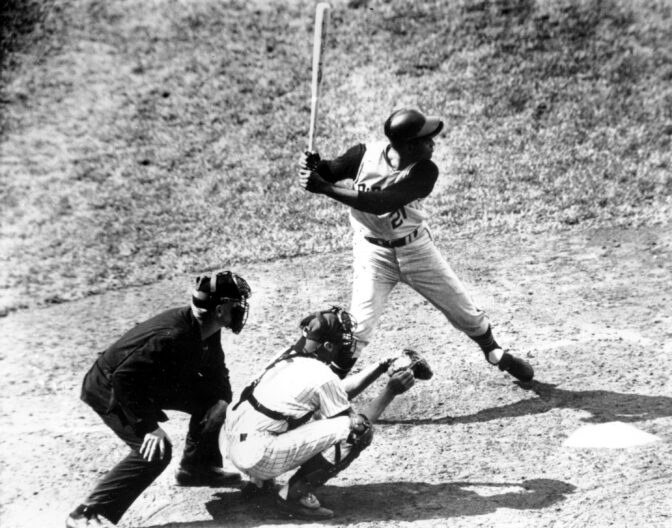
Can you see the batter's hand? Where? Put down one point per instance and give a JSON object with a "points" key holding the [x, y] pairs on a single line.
{"points": [[153, 443], [401, 381], [310, 180], [309, 160]]}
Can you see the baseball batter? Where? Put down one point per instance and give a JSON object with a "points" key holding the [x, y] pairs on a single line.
{"points": [[385, 183], [297, 414]]}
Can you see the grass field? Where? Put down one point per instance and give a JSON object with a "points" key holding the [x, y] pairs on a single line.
{"points": [[144, 140]]}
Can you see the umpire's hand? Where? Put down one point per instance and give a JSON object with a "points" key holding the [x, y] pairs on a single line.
{"points": [[153, 443]]}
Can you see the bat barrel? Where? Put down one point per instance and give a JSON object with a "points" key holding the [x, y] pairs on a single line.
{"points": [[319, 38]]}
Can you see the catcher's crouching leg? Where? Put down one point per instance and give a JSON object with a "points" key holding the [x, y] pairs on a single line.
{"points": [[316, 471]]}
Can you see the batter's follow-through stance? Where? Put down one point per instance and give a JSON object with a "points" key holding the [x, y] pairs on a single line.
{"points": [[392, 241]]}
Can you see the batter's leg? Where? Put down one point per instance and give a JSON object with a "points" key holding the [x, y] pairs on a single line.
{"points": [[428, 272], [375, 274]]}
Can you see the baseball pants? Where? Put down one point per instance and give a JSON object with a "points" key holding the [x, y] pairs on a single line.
{"points": [[264, 455], [123, 484], [419, 264]]}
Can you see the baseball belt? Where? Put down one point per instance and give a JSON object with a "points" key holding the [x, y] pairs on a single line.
{"points": [[397, 242]]}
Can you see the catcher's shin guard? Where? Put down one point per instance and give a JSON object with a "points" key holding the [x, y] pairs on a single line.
{"points": [[316, 471]]}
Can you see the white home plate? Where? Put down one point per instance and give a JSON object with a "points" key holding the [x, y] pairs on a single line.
{"points": [[611, 435]]}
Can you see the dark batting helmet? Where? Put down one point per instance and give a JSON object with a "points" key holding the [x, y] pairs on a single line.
{"points": [[408, 124]]}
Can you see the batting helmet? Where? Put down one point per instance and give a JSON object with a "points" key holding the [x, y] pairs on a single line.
{"points": [[407, 124]]}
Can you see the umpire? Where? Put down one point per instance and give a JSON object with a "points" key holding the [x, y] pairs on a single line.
{"points": [[173, 361]]}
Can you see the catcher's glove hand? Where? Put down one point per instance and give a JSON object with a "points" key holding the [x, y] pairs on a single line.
{"points": [[410, 359]]}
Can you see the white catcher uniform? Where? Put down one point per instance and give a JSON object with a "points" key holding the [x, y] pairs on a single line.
{"points": [[413, 259], [298, 388]]}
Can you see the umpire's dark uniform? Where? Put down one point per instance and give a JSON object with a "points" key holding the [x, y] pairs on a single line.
{"points": [[161, 364]]}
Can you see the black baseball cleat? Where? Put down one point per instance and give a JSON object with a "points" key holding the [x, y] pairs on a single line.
{"points": [[518, 368], [208, 476], [84, 517], [306, 507]]}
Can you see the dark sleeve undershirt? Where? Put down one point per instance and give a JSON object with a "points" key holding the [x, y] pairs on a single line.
{"points": [[344, 166]]}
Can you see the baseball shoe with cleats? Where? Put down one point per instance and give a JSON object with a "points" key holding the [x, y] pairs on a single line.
{"points": [[84, 517], [306, 507], [208, 476], [517, 367]]}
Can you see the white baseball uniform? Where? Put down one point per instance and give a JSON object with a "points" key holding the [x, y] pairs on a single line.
{"points": [[265, 447], [397, 246]]}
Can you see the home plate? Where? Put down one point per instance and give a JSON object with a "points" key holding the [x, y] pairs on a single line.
{"points": [[611, 435]]}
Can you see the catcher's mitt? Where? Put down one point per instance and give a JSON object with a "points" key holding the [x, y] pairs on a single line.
{"points": [[410, 359]]}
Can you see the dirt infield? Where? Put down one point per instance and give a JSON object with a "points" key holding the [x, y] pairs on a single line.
{"points": [[591, 310]]}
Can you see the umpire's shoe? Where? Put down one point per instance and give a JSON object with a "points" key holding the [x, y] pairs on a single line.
{"points": [[83, 517], [518, 368], [305, 507], [208, 476]]}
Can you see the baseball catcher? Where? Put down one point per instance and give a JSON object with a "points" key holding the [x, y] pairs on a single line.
{"points": [[297, 414]]}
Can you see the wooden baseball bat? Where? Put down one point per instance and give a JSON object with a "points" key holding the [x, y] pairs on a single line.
{"points": [[319, 38]]}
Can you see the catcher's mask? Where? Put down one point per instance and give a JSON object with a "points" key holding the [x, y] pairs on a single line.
{"points": [[334, 325], [224, 286]]}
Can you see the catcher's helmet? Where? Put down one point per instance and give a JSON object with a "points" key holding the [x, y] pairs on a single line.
{"points": [[334, 325], [407, 124], [213, 290]]}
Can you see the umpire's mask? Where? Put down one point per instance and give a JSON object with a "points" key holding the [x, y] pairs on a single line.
{"points": [[224, 286]]}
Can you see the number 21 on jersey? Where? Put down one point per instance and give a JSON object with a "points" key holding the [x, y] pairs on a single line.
{"points": [[398, 217]]}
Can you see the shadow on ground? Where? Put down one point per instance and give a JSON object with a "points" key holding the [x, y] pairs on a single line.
{"points": [[603, 406], [393, 501]]}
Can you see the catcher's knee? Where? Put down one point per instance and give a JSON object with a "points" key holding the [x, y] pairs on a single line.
{"points": [[361, 433]]}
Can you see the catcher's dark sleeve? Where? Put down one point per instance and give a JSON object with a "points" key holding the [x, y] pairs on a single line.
{"points": [[343, 167], [133, 383]]}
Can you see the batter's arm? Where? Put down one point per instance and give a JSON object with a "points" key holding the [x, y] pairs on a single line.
{"points": [[344, 167], [418, 184]]}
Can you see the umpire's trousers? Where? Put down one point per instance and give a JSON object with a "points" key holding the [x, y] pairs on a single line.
{"points": [[124, 483]]}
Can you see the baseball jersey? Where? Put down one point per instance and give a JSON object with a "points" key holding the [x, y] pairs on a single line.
{"points": [[294, 388], [371, 170]]}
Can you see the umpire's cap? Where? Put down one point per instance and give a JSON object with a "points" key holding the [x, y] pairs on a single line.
{"points": [[407, 124], [212, 290]]}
